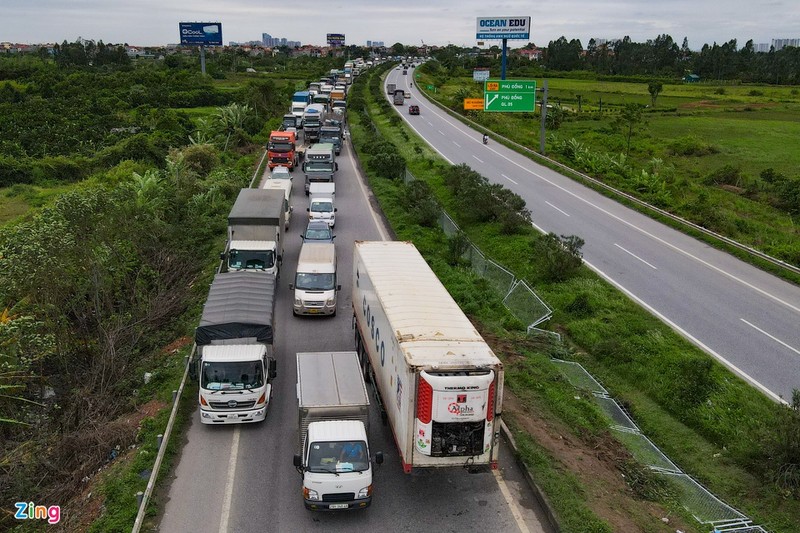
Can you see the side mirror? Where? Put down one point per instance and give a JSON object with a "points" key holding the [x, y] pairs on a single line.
{"points": [[338, 287], [222, 256], [334, 209], [336, 166], [333, 237], [298, 462], [273, 368], [379, 458], [291, 286], [308, 209], [280, 258], [291, 208]]}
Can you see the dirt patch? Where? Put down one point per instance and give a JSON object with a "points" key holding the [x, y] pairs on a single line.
{"points": [[88, 506], [727, 106], [597, 467], [177, 344]]}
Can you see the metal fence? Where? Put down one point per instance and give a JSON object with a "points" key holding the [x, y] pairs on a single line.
{"points": [[702, 504], [518, 297]]}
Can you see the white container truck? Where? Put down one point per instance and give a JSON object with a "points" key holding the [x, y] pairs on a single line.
{"points": [[255, 224], [333, 409], [234, 355], [438, 382], [285, 186]]}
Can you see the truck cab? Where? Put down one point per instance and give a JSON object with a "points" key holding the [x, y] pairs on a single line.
{"points": [[312, 121], [319, 164], [252, 256], [282, 150], [332, 135], [322, 203], [235, 383]]}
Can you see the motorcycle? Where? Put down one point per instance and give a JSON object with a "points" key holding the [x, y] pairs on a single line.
{"points": [[485, 139]]}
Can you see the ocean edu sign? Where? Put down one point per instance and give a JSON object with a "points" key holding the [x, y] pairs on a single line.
{"points": [[503, 28]]}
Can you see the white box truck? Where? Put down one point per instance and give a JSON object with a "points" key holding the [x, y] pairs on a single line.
{"points": [[333, 409], [234, 354], [255, 223], [438, 382], [315, 283], [285, 186], [322, 202]]}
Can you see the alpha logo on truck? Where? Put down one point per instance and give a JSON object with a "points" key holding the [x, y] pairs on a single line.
{"points": [[460, 410]]}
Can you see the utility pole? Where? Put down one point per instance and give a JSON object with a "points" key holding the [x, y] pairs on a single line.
{"points": [[503, 60], [544, 117]]}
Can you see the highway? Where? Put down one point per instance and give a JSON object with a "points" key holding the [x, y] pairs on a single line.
{"points": [[240, 478], [747, 319]]}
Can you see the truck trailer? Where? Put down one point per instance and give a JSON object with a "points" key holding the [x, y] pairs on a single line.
{"points": [[438, 382], [255, 223], [234, 356], [333, 416]]}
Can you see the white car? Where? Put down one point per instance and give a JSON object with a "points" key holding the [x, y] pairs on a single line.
{"points": [[280, 173]]}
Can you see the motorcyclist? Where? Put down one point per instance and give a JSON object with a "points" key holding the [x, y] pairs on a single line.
{"points": [[485, 138]]}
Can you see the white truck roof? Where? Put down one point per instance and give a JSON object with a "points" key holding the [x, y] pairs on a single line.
{"points": [[336, 430], [317, 257], [329, 379], [420, 311], [233, 352], [251, 245], [321, 188]]}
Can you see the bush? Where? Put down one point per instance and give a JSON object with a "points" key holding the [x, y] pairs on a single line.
{"points": [[457, 246], [420, 203], [727, 175], [691, 145], [389, 165], [561, 257]]}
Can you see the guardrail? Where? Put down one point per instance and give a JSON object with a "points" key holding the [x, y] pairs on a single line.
{"points": [[148, 492], [727, 240]]}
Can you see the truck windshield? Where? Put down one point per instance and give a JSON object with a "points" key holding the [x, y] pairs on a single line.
{"points": [[338, 456], [232, 375], [314, 282], [324, 166], [321, 207], [250, 259], [280, 146]]}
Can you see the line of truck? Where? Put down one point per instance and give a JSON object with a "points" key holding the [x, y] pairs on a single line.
{"points": [[437, 384]]}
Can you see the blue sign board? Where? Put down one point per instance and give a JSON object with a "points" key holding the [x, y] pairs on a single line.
{"points": [[201, 33], [335, 39], [503, 28]]}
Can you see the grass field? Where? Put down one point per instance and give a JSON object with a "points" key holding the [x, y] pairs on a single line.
{"points": [[747, 128]]}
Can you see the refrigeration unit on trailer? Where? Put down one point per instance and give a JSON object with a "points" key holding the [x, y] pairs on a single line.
{"points": [[439, 383]]}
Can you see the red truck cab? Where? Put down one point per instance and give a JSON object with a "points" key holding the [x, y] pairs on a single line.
{"points": [[282, 150]]}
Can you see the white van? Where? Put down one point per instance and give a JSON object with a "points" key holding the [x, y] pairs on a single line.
{"points": [[286, 187], [314, 284]]}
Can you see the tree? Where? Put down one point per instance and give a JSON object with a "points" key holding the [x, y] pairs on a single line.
{"points": [[654, 88], [628, 122]]}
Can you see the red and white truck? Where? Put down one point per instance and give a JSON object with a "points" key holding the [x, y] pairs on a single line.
{"points": [[438, 382], [282, 150]]}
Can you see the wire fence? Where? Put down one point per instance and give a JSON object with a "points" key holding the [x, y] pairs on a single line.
{"points": [[518, 297], [699, 501]]}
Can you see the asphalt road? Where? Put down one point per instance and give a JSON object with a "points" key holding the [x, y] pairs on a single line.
{"points": [[241, 478], [744, 317]]}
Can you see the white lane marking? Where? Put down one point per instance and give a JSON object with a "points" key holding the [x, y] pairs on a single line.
{"points": [[441, 132], [476, 157], [429, 123], [510, 502], [557, 209], [446, 119], [226, 502], [635, 256], [691, 338], [457, 144], [509, 179], [776, 339]]}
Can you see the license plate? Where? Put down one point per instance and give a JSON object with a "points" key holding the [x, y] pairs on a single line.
{"points": [[313, 311], [338, 506]]}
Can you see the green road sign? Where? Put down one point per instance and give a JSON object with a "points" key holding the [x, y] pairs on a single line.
{"points": [[509, 95]]}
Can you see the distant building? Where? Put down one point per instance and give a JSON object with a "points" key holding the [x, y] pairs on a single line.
{"points": [[783, 43], [534, 54], [270, 42], [691, 78], [762, 47], [375, 44]]}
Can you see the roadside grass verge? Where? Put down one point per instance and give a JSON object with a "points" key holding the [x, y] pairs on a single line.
{"points": [[707, 420]]}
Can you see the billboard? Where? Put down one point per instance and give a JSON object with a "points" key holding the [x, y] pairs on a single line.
{"points": [[480, 74], [503, 28], [201, 33], [335, 39]]}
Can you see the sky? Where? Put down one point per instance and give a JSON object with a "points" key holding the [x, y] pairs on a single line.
{"points": [[410, 22]]}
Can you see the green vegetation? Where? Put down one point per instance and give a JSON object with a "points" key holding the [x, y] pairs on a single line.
{"points": [[725, 161], [707, 420]]}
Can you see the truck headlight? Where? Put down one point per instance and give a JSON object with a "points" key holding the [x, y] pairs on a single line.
{"points": [[366, 492], [298, 302], [330, 301], [309, 494]]}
